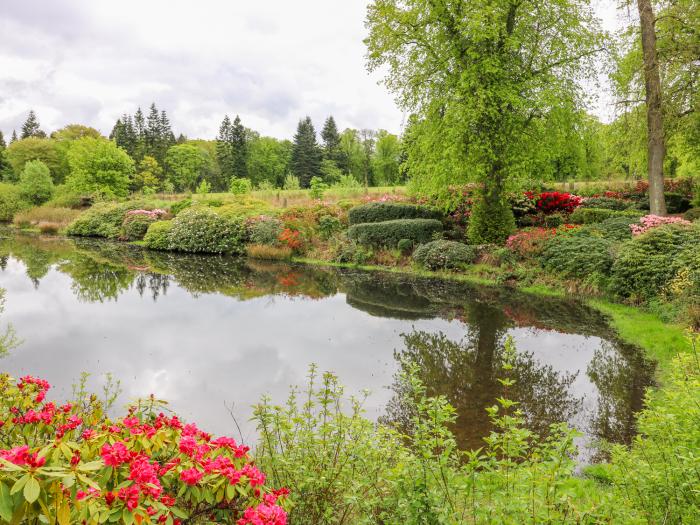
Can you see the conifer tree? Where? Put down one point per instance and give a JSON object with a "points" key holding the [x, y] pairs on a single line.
{"points": [[306, 155], [239, 149], [31, 126], [224, 149], [5, 168], [331, 140], [13, 138]]}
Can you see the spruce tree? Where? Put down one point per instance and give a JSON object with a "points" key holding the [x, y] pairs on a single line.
{"points": [[31, 126], [13, 138], [306, 155], [331, 140], [140, 130], [239, 148], [152, 134], [224, 150]]}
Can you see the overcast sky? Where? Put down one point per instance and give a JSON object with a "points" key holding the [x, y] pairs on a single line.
{"points": [[272, 62]]}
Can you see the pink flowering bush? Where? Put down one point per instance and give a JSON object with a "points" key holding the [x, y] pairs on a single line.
{"points": [[71, 464], [654, 221], [156, 214], [531, 242]]}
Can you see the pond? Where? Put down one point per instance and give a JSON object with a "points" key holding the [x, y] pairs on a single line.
{"points": [[212, 334]]}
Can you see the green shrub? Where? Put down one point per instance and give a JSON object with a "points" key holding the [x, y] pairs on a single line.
{"points": [[318, 188], [104, 219], [135, 227], [158, 235], [438, 255], [593, 215], [64, 197], [676, 203], [389, 211], [202, 230], [405, 246], [606, 203], [660, 473], [389, 233], [264, 231], [491, 221], [328, 225], [692, 214], [203, 188], [614, 228], [348, 251], [11, 201], [180, 205], [577, 256], [240, 186], [644, 264], [35, 182]]}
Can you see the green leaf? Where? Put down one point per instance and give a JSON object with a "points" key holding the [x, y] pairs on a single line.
{"points": [[179, 513], [5, 503], [31, 490], [93, 465], [19, 484]]}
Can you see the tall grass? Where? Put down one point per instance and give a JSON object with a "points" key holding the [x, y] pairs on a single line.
{"points": [[48, 219]]}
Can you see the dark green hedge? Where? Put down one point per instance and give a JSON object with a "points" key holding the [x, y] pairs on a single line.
{"points": [[389, 233], [389, 211], [593, 215]]}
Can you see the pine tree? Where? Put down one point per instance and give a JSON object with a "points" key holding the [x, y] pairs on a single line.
{"points": [[152, 133], [31, 126], [140, 131], [306, 155], [239, 148], [13, 138], [331, 139], [224, 150]]}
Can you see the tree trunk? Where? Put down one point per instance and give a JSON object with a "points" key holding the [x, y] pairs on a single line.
{"points": [[656, 148]]}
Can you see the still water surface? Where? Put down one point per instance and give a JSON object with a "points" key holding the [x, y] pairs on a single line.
{"points": [[214, 333]]}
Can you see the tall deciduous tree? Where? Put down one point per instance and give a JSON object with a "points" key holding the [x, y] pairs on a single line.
{"points": [[98, 166], [656, 146], [186, 164], [31, 127], [386, 158], [479, 74], [306, 155]]}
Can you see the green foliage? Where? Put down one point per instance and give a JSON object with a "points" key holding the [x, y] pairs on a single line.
{"points": [[203, 188], [240, 186], [33, 148], [65, 197], [347, 181], [202, 230], [386, 159], [99, 167], [11, 201], [439, 255], [692, 214], [135, 226], [186, 165], [388, 211], [318, 188], [178, 206], [578, 256], [149, 175], [291, 182], [645, 263], [35, 182], [676, 203], [158, 235], [614, 228], [659, 474], [593, 215], [328, 225], [606, 203], [405, 246], [491, 221], [104, 219], [335, 460], [264, 230], [349, 251], [268, 160], [389, 233], [306, 155]]}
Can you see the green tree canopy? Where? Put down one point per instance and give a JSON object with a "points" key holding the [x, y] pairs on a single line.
{"points": [[386, 159], [479, 75], [268, 160], [99, 166], [306, 155], [22, 151], [35, 182], [185, 164]]}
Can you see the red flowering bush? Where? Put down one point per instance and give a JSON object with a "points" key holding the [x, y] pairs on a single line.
{"points": [[71, 464], [291, 238], [557, 202]]}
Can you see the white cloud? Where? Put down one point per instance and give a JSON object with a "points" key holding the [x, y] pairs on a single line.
{"points": [[271, 62]]}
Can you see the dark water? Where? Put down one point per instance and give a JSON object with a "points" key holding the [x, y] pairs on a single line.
{"points": [[208, 332]]}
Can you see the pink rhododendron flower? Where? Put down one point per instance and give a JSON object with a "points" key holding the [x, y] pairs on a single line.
{"points": [[264, 514], [191, 476], [115, 455], [649, 222]]}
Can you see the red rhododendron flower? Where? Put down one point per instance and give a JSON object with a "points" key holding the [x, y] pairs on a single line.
{"points": [[191, 476]]}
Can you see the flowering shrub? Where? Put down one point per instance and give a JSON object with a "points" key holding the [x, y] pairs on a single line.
{"points": [[291, 239], [199, 229], [554, 201], [70, 464], [153, 214], [654, 221], [263, 230], [437, 255], [136, 223], [530, 243]]}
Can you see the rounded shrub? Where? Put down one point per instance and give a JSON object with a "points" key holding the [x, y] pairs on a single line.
{"points": [[389, 233], [593, 215], [135, 226], [405, 246], [102, 220], [35, 182], [11, 201], [202, 230], [491, 221], [389, 211], [328, 225], [692, 214], [577, 256], [615, 228], [240, 186], [645, 263], [158, 235], [438, 255], [264, 230]]}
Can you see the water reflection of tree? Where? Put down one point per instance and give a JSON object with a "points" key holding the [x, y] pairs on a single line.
{"points": [[96, 281], [621, 375], [156, 283], [466, 372]]}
